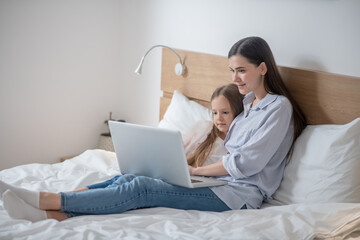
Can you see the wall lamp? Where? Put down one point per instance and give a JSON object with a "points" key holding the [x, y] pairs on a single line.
{"points": [[179, 68]]}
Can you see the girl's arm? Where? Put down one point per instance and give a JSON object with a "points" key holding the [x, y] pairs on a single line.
{"points": [[215, 169]]}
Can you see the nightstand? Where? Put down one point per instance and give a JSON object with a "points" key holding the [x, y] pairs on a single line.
{"points": [[105, 142], [65, 158]]}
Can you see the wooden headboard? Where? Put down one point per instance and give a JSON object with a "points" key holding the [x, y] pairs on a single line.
{"points": [[325, 98]]}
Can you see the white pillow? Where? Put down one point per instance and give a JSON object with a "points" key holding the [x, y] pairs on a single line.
{"points": [[182, 113], [324, 167]]}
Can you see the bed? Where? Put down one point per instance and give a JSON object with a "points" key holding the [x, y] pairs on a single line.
{"points": [[319, 197]]}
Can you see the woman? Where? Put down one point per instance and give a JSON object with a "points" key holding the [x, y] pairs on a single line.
{"points": [[261, 137], [127, 192]]}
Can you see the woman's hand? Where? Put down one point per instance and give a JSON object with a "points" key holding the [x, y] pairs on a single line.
{"points": [[215, 169], [192, 170]]}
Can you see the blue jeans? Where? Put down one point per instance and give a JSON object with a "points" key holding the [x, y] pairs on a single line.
{"points": [[127, 192]]}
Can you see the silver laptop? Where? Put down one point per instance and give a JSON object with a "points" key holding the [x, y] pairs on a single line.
{"points": [[154, 152]]}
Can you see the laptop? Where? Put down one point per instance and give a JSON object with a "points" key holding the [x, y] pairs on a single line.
{"points": [[154, 152]]}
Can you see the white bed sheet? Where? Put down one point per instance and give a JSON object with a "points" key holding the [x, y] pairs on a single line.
{"points": [[298, 221]]}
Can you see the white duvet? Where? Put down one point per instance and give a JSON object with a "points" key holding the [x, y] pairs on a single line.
{"points": [[299, 221]]}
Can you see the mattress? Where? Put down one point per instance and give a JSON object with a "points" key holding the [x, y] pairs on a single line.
{"points": [[294, 221]]}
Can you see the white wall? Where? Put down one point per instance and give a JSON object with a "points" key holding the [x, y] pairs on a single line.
{"points": [[65, 64]]}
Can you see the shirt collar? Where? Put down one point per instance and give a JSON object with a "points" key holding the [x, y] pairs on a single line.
{"points": [[249, 98]]}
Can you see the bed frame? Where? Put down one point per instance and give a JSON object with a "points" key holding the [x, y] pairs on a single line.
{"points": [[320, 95]]}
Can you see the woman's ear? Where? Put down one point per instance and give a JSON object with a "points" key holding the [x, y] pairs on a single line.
{"points": [[263, 68]]}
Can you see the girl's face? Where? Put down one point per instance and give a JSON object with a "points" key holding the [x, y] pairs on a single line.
{"points": [[247, 76], [222, 114]]}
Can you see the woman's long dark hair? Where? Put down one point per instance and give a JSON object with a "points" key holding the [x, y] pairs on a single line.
{"points": [[256, 50], [202, 152]]}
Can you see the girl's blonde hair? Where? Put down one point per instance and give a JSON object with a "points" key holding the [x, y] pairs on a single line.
{"points": [[202, 152]]}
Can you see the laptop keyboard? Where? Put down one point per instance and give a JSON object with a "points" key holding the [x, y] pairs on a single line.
{"points": [[195, 181]]}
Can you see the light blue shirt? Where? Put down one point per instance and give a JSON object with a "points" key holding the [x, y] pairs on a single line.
{"points": [[258, 142]]}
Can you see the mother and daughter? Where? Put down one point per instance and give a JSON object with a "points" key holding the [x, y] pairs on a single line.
{"points": [[247, 145]]}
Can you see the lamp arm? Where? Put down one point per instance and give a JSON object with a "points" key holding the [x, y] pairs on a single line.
{"points": [[163, 47], [179, 67]]}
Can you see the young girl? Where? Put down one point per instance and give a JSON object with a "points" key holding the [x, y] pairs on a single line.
{"points": [[127, 192], [206, 142]]}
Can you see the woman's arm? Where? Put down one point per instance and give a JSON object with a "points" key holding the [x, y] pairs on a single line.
{"points": [[251, 149], [215, 169]]}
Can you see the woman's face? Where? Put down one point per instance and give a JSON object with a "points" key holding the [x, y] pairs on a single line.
{"points": [[222, 114], [247, 76]]}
